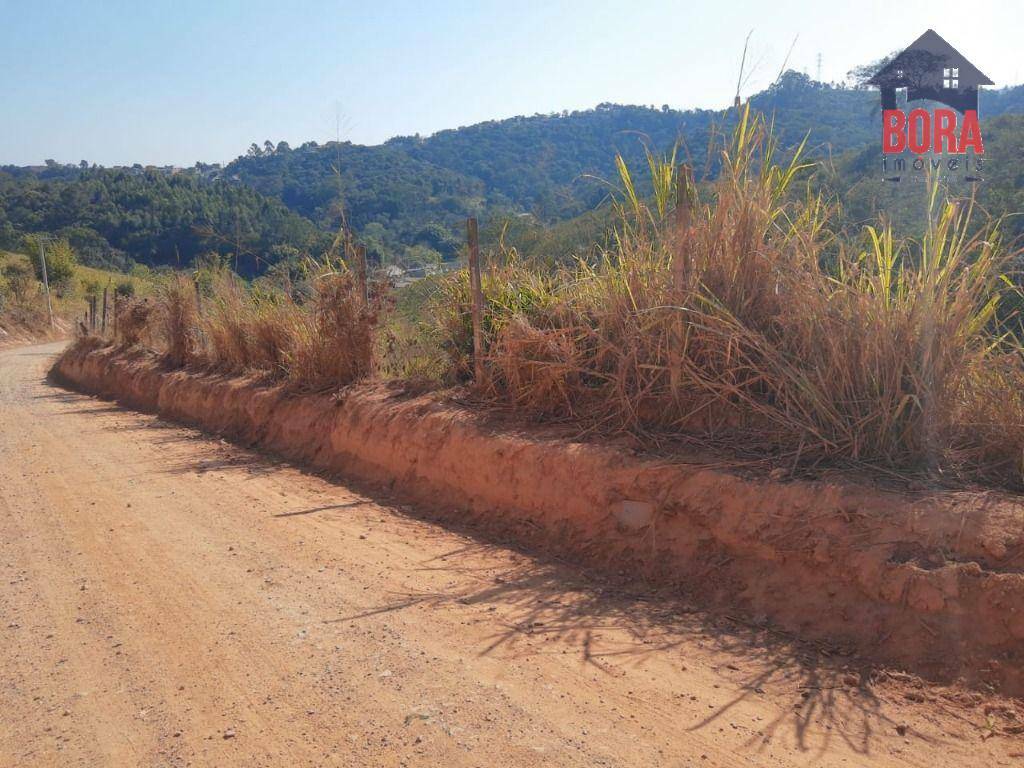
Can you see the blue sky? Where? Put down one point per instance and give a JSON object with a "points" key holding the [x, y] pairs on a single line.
{"points": [[160, 82]]}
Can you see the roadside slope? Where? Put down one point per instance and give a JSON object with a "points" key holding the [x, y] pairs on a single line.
{"points": [[165, 590], [933, 580]]}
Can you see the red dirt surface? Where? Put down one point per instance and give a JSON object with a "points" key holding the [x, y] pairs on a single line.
{"points": [[171, 599], [929, 580]]}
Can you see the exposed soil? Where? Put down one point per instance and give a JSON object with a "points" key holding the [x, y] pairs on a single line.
{"points": [[14, 333], [929, 580], [171, 599]]}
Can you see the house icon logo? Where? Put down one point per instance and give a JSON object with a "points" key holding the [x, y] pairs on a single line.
{"points": [[933, 70], [933, 73]]}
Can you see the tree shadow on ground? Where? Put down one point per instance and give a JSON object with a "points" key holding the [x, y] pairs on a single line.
{"points": [[547, 605]]}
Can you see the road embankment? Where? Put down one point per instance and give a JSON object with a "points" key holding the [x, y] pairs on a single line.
{"points": [[930, 580]]}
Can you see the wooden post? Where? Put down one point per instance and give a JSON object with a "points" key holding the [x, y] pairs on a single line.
{"points": [[199, 295], [106, 288], [477, 296], [360, 254]]}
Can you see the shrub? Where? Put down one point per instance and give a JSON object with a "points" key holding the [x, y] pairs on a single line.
{"points": [[60, 264], [18, 275], [91, 287]]}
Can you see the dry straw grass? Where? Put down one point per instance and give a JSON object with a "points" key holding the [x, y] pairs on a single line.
{"points": [[311, 342], [746, 324], [132, 318], [754, 326]]}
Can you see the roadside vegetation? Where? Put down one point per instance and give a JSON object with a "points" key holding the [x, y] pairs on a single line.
{"points": [[23, 307], [730, 312]]}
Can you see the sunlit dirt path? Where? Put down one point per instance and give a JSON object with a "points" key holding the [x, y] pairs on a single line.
{"points": [[167, 599]]}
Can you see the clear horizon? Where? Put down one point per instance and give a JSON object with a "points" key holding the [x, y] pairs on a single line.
{"points": [[177, 83]]}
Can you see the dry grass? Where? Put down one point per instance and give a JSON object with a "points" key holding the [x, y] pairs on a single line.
{"points": [[746, 323], [753, 326], [132, 321], [178, 319], [317, 341], [333, 341]]}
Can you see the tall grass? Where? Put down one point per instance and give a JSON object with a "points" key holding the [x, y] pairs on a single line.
{"points": [[313, 340], [744, 322], [753, 325]]}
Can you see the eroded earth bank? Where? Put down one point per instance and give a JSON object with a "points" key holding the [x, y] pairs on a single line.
{"points": [[477, 597]]}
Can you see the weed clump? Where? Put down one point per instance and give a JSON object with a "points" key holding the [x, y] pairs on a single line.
{"points": [[738, 317], [312, 339]]}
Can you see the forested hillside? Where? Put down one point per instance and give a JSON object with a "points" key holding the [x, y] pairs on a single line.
{"points": [[855, 179], [408, 198], [394, 199], [553, 167], [115, 217]]}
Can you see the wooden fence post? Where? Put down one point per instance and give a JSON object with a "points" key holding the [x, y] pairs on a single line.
{"points": [[106, 288], [361, 270], [477, 296], [199, 295]]}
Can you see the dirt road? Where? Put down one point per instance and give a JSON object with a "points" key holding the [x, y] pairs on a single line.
{"points": [[168, 599]]}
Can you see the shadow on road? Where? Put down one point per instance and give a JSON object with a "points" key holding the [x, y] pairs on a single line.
{"points": [[547, 605]]}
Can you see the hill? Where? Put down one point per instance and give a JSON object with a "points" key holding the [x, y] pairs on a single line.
{"points": [[550, 166], [113, 217], [408, 198], [855, 180]]}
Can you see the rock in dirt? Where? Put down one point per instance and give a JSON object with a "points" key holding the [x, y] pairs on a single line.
{"points": [[634, 515]]}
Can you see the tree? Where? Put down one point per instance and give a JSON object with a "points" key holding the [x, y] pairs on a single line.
{"points": [[421, 256], [60, 263], [17, 273], [864, 72]]}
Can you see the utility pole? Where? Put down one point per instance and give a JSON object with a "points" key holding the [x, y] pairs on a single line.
{"points": [[46, 279], [819, 68]]}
